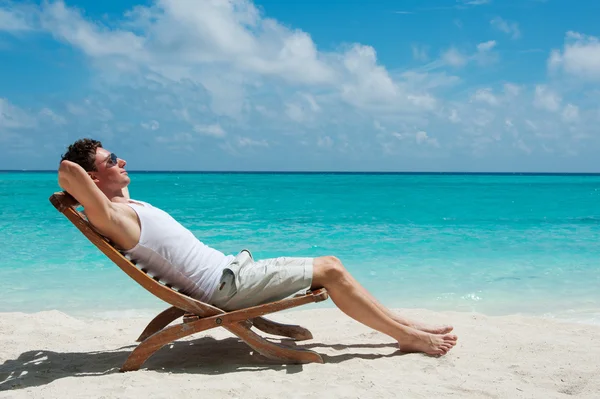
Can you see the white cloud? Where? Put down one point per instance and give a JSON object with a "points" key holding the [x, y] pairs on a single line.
{"points": [[248, 142], [520, 144], [16, 20], [481, 118], [486, 96], [303, 109], [314, 106], [91, 108], [474, 2], [483, 55], [454, 118], [104, 114], [429, 81], [511, 90], [454, 58], [570, 113], [53, 116], [546, 98], [579, 57], [266, 112], [367, 81], [175, 37], [68, 25], [324, 142], [76, 109], [399, 136], [423, 101], [214, 130], [531, 125], [294, 112], [183, 114], [486, 46], [547, 149], [510, 28], [423, 138], [13, 117]]}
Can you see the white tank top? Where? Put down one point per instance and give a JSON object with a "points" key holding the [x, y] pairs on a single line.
{"points": [[170, 251]]}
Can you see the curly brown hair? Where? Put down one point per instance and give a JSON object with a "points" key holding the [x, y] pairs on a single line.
{"points": [[83, 152]]}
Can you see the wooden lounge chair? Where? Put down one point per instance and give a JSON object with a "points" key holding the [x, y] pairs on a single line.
{"points": [[197, 316]]}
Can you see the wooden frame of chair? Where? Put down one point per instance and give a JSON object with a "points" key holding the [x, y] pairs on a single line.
{"points": [[197, 316]]}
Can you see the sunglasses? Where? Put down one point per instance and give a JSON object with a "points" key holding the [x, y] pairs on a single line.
{"points": [[111, 160]]}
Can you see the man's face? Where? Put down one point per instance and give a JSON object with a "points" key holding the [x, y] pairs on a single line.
{"points": [[110, 172]]}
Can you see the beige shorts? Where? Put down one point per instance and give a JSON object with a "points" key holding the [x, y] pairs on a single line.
{"points": [[246, 282]]}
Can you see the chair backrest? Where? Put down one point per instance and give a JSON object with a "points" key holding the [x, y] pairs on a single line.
{"points": [[67, 205]]}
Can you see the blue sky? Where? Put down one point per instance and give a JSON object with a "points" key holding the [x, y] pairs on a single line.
{"points": [[444, 85]]}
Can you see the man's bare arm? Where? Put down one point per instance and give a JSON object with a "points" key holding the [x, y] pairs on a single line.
{"points": [[75, 180]]}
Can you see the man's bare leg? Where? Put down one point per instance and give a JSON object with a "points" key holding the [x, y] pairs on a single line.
{"points": [[403, 320], [354, 300]]}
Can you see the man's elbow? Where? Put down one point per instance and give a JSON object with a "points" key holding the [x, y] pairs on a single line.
{"points": [[64, 171]]}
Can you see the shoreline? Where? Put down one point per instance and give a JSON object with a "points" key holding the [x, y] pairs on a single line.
{"points": [[588, 316], [53, 355]]}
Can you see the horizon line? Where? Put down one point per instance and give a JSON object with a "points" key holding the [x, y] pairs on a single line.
{"points": [[324, 172]]}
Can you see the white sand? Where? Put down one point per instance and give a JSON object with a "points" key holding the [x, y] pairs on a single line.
{"points": [[52, 355]]}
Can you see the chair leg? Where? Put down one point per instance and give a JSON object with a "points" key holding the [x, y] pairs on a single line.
{"points": [[271, 350], [169, 334], [156, 341], [160, 322], [285, 330]]}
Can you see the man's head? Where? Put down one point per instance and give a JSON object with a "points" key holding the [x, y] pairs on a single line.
{"points": [[102, 166], [83, 152]]}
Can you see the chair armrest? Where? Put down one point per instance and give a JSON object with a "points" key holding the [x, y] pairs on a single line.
{"points": [[63, 200]]}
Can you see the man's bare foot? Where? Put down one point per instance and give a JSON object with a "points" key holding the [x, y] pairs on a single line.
{"points": [[432, 329], [439, 329], [431, 344]]}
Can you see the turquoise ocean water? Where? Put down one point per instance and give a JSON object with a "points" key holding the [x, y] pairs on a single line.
{"points": [[496, 244]]}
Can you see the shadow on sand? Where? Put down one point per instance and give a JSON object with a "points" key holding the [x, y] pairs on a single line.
{"points": [[205, 355]]}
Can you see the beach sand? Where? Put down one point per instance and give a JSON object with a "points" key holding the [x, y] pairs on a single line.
{"points": [[52, 355]]}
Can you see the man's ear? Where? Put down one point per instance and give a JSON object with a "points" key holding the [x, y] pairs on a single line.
{"points": [[92, 175]]}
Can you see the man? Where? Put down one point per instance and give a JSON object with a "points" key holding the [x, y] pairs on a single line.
{"points": [[98, 181]]}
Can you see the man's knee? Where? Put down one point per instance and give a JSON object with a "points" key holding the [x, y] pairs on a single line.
{"points": [[328, 269]]}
